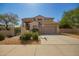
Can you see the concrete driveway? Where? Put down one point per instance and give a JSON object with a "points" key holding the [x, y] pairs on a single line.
{"points": [[55, 45], [58, 39]]}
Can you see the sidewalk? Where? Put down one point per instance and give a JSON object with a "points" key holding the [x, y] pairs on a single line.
{"points": [[39, 50]]}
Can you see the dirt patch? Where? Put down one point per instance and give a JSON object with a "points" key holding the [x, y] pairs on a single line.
{"points": [[31, 42], [17, 41], [13, 40]]}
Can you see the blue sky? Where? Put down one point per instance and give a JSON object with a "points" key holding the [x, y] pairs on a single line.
{"points": [[33, 9]]}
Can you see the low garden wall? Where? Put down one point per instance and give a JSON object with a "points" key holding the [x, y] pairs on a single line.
{"points": [[7, 32], [69, 30]]}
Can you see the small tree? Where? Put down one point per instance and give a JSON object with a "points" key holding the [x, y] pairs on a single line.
{"points": [[8, 18], [70, 19]]}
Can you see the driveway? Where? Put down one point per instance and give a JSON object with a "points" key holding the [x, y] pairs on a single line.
{"points": [[52, 45], [58, 39]]}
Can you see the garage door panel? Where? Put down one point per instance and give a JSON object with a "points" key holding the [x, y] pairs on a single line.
{"points": [[49, 30]]}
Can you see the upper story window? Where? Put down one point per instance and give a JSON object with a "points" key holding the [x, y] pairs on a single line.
{"points": [[39, 19], [34, 19]]}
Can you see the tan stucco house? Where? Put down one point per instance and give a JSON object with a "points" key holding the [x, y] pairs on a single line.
{"points": [[45, 25]]}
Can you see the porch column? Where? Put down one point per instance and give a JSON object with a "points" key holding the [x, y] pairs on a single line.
{"points": [[58, 29]]}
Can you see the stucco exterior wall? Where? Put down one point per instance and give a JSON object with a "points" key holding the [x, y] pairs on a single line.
{"points": [[69, 30], [33, 24]]}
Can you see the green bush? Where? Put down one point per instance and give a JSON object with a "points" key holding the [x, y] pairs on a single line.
{"points": [[35, 36], [2, 37], [34, 30], [17, 30], [26, 36]]}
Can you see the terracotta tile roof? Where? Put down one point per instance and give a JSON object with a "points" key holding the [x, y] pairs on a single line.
{"points": [[28, 20]]}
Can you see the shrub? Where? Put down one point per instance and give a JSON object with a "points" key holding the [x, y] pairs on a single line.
{"points": [[9, 36], [34, 30], [2, 37], [17, 30], [26, 36], [35, 36]]}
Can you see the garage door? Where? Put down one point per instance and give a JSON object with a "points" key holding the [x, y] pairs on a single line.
{"points": [[49, 30]]}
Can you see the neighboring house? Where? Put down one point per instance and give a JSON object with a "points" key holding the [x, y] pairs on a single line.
{"points": [[45, 25]]}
